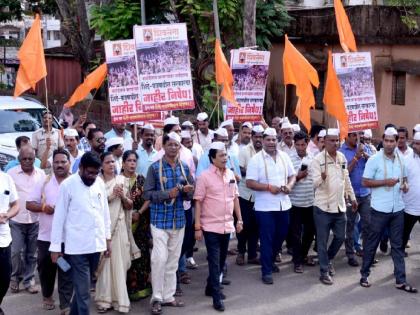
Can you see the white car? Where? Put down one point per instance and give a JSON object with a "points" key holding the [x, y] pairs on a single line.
{"points": [[19, 116]]}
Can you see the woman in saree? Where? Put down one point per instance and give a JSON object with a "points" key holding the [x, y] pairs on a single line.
{"points": [[111, 289], [138, 277]]}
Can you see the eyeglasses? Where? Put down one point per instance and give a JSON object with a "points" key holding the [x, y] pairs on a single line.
{"points": [[103, 139]]}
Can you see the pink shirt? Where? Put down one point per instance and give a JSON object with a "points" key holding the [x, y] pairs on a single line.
{"points": [[49, 188], [24, 185], [216, 192]]}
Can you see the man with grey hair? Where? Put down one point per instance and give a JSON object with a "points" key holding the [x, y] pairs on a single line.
{"points": [[24, 225]]}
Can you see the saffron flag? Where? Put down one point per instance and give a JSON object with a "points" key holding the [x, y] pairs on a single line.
{"points": [[224, 75], [299, 72], [32, 66], [334, 100], [345, 32], [93, 81]]}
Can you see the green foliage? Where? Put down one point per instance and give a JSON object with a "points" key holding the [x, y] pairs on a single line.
{"points": [[115, 21], [10, 10], [44, 6], [410, 13]]}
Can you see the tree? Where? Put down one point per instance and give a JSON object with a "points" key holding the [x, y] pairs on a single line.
{"points": [[249, 31], [410, 13], [10, 10]]}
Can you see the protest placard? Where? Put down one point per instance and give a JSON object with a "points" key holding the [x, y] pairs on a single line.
{"points": [[164, 71], [354, 70], [250, 71], [123, 84]]}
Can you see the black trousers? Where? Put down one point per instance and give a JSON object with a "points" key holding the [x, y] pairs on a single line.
{"points": [[409, 222], [302, 231], [249, 234], [5, 270], [47, 271]]}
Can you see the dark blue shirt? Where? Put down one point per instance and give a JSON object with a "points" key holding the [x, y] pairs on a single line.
{"points": [[357, 173]]}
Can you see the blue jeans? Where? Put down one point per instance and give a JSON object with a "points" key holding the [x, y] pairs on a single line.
{"points": [[24, 242], [380, 221], [273, 227], [324, 223], [82, 267], [217, 247]]}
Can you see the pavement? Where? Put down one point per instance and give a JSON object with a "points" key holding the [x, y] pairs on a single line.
{"points": [[290, 294]]}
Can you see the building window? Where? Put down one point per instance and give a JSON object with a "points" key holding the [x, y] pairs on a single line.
{"points": [[48, 35], [56, 35], [398, 88]]}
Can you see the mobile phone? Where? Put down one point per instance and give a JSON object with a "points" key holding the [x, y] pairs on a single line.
{"points": [[63, 264], [304, 167]]}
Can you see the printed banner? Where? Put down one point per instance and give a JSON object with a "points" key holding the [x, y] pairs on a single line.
{"points": [[354, 70], [123, 84], [250, 71], [163, 63]]}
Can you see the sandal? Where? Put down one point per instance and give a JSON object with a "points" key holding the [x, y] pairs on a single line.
{"points": [[364, 282], [179, 292], [174, 303], [298, 269], [309, 261], [406, 287], [156, 308], [14, 287], [184, 278], [101, 309], [48, 305]]}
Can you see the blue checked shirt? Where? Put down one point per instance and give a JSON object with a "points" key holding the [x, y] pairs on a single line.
{"points": [[163, 214]]}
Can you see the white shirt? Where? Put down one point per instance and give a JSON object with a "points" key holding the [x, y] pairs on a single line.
{"points": [[233, 149], [204, 141], [277, 175], [197, 151], [81, 217], [282, 146], [407, 152], [411, 198], [8, 194], [245, 155]]}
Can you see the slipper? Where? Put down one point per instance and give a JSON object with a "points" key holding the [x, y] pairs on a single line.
{"points": [[179, 292], [364, 282], [174, 303], [406, 287], [309, 261], [101, 310], [14, 287], [156, 308], [48, 305]]}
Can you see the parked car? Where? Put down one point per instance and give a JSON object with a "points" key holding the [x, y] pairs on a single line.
{"points": [[19, 116]]}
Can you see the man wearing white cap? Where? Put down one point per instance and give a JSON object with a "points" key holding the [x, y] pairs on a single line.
{"points": [[243, 138], [367, 140], [313, 143], [321, 139], [233, 147], [276, 124], [168, 184], [248, 238], [204, 135], [271, 175], [118, 130], [196, 149], [385, 173], [411, 202], [332, 186], [416, 129], [216, 197], [220, 135], [115, 146], [287, 134], [146, 151]]}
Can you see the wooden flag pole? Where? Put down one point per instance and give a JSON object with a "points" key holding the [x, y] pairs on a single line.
{"points": [[217, 33], [90, 103], [285, 101], [46, 103]]}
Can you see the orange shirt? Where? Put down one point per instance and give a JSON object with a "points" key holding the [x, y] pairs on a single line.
{"points": [[216, 192]]}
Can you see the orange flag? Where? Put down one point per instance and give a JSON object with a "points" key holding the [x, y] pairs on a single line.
{"points": [[299, 72], [345, 32], [93, 81], [334, 100], [224, 75], [32, 60]]}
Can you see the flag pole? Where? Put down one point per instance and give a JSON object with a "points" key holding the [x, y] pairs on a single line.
{"points": [[284, 101], [217, 33], [46, 102], [91, 101]]}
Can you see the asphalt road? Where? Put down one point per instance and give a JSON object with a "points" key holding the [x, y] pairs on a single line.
{"points": [[291, 293]]}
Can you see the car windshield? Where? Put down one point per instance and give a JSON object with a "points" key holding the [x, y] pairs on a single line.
{"points": [[21, 120]]}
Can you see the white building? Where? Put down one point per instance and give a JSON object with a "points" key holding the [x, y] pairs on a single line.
{"points": [[299, 4]]}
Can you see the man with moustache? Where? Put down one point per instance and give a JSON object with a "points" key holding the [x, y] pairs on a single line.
{"points": [[271, 175], [97, 144], [386, 175], [248, 238], [332, 187], [204, 135], [287, 134], [146, 151], [82, 222], [119, 130], [42, 200], [24, 225]]}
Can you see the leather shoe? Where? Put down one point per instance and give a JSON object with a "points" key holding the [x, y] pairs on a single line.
{"points": [[274, 268], [226, 281], [267, 279], [209, 293], [353, 262], [219, 306], [326, 279]]}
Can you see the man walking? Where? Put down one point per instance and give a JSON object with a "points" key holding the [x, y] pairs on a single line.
{"points": [[82, 222], [386, 175], [332, 186]]}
